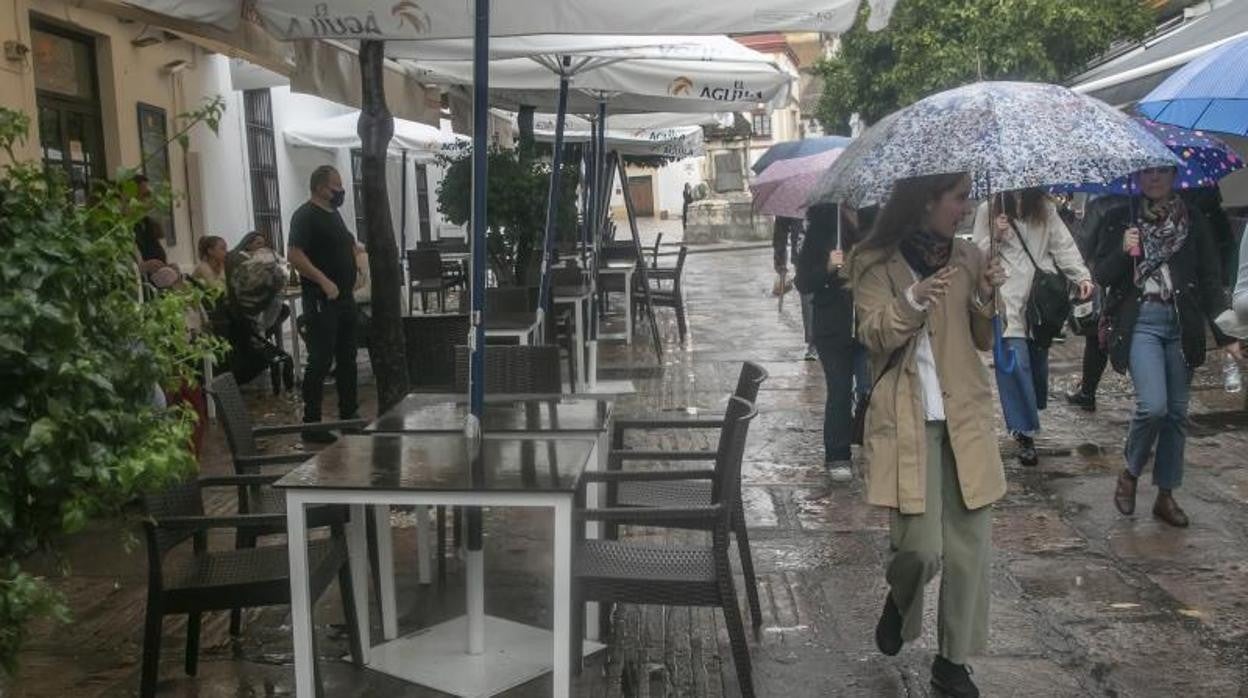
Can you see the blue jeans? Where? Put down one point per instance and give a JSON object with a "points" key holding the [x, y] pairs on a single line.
{"points": [[1025, 391], [1161, 380]]}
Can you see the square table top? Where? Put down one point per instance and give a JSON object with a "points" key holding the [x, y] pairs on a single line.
{"points": [[443, 463], [502, 414], [618, 265]]}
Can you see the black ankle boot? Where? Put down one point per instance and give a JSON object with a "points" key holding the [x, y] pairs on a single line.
{"points": [[1027, 450], [888, 629], [953, 680], [1082, 400]]}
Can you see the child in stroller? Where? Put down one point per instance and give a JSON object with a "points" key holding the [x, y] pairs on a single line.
{"points": [[250, 314]]}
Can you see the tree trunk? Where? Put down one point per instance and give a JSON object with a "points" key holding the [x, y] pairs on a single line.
{"points": [[524, 124], [387, 350]]}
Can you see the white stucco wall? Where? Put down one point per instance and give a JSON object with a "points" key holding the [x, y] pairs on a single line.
{"points": [[669, 185]]}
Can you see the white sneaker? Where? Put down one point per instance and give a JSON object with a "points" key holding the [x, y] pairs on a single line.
{"points": [[839, 471]]}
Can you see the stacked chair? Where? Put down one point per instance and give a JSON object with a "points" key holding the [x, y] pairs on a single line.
{"points": [[610, 571]]}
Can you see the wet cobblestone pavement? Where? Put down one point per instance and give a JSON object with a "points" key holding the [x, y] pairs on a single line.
{"points": [[1085, 602]]}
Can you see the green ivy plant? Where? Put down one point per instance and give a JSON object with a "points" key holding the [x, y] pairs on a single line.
{"points": [[81, 361], [516, 220]]}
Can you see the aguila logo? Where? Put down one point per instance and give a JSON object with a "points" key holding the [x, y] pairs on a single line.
{"points": [[409, 12], [680, 87]]}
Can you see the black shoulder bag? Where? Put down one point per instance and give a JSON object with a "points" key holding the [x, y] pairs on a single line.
{"points": [[1048, 300], [858, 428]]}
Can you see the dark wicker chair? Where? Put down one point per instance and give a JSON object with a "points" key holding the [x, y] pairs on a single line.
{"points": [[426, 276], [609, 571], [654, 251], [224, 580], [690, 492], [240, 435], [514, 369], [431, 342], [666, 290]]}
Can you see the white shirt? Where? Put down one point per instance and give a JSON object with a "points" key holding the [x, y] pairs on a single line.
{"points": [[929, 380]]}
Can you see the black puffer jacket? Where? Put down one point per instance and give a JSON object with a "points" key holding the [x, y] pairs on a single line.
{"points": [[1199, 295]]}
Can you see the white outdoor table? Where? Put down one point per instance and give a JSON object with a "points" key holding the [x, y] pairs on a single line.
{"points": [[522, 327], [578, 297], [475, 654], [626, 269], [527, 417]]}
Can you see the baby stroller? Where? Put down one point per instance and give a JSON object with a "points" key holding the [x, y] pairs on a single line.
{"points": [[249, 316]]}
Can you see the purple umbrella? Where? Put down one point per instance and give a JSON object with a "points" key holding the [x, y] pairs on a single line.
{"points": [[1206, 160], [784, 188]]}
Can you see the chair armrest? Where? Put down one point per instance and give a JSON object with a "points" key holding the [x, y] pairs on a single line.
{"points": [[661, 273], [240, 480], [276, 459], [347, 424], [623, 455], [712, 422], [647, 475], [203, 523], [641, 516]]}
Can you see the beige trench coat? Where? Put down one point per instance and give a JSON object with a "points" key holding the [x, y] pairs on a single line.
{"points": [[895, 443]]}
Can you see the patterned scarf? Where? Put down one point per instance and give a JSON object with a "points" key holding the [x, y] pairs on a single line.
{"points": [[926, 252], [1163, 230]]}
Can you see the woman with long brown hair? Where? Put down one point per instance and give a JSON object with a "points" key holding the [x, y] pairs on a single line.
{"points": [[924, 303], [1029, 235]]}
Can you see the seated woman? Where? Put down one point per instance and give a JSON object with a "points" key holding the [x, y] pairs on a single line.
{"points": [[211, 268]]}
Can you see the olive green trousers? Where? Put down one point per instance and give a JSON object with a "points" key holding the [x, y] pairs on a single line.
{"points": [[948, 539]]}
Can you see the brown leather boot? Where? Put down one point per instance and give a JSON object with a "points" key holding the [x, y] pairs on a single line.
{"points": [[1124, 494], [1169, 510]]}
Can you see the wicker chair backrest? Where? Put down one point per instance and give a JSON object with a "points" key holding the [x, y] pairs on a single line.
{"points": [[424, 265], [182, 499], [514, 369], [431, 342], [235, 419], [726, 486], [748, 382]]}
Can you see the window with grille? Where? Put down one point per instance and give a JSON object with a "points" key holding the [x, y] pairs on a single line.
{"points": [[262, 155], [762, 125]]}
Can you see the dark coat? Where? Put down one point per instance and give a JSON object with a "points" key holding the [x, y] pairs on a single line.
{"points": [[1199, 295], [832, 304]]}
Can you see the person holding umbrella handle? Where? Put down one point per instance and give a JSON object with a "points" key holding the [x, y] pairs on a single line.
{"points": [[1035, 247], [1159, 266], [924, 309]]}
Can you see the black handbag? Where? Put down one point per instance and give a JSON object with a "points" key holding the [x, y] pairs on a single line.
{"points": [[1048, 301]]}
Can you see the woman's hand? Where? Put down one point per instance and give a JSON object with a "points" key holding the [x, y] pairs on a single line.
{"points": [[1003, 226], [1131, 240], [994, 276], [933, 289], [1235, 350], [836, 260], [1086, 289]]}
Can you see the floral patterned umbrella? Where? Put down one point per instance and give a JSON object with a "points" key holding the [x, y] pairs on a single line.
{"points": [[785, 186], [1206, 160], [1008, 135]]}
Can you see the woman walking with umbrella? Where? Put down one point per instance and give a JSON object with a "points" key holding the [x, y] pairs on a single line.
{"points": [[1030, 236], [925, 307], [1160, 270]]}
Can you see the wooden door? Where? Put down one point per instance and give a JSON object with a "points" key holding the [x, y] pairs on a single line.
{"points": [[641, 189]]}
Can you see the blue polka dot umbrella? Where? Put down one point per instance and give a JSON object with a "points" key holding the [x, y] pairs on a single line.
{"points": [[1206, 160]]}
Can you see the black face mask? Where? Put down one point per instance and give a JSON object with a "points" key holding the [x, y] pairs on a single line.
{"points": [[336, 197]]}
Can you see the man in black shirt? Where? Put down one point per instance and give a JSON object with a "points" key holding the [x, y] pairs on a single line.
{"points": [[323, 252]]}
